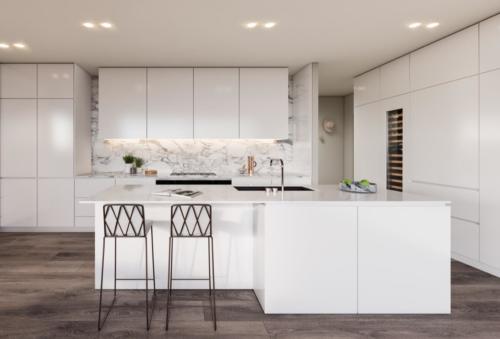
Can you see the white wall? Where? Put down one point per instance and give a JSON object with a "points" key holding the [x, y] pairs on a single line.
{"points": [[331, 146], [349, 136], [449, 93]]}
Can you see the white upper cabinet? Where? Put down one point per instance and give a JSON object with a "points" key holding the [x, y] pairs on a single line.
{"points": [[17, 81], [216, 103], [264, 98], [395, 77], [367, 87], [122, 103], [170, 103], [55, 81], [445, 134], [449, 59], [55, 138], [18, 138], [489, 42]]}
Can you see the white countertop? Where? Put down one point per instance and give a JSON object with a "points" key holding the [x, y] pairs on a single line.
{"points": [[142, 194]]}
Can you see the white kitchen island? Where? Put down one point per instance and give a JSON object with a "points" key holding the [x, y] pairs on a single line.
{"points": [[321, 251]]}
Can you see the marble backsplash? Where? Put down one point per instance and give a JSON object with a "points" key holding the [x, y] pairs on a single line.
{"points": [[224, 157]]}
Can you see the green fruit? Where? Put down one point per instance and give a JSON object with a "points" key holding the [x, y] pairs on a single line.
{"points": [[364, 183], [347, 182]]}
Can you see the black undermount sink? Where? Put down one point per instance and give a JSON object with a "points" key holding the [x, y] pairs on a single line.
{"points": [[263, 188]]}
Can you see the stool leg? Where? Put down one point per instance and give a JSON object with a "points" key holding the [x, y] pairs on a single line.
{"points": [[213, 284], [147, 283], [116, 244], [153, 260], [209, 269], [169, 282], [100, 289]]}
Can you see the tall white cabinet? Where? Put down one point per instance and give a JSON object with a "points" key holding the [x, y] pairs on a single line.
{"points": [[45, 125]]}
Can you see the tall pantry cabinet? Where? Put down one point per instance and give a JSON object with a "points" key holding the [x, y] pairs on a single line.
{"points": [[45, 142]]}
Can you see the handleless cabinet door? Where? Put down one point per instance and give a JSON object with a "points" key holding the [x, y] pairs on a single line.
{"points": [[18, 137], [55, 81], [18, 202], [17, 81], [55, 138], [170, 103], [216, 103], [56, 202], [489, 169], [489, 44], [367, 87], [122, 103], [264, 97]]}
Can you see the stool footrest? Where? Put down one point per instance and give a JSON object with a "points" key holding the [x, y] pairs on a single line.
{"points": [[189, 279], [133, 279]]}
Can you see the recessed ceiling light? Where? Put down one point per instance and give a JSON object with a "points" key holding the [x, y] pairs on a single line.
{"points": [[88, 25], [106, 24], [414, 25], [4, 45], [19, 45], [269, 24], [251, 24], [432, 25]]}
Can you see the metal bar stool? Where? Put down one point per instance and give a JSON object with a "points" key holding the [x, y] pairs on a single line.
{"points": [[127, 221], [192, 221]]}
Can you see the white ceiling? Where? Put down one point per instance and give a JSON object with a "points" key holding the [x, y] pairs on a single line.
{"points": [[346, 37]]}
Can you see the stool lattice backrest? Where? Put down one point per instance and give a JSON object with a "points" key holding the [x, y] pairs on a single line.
{"points": [[191, 220], [124, 220]]}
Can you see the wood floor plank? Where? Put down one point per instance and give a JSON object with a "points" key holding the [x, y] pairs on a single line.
{"points": [[47, 291]]}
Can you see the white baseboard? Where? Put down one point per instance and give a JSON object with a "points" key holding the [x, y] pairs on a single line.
{"points": [[32, 229], [476, 264]]}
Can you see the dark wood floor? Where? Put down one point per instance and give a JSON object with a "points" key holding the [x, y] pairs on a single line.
{"points": [[46, 291]]}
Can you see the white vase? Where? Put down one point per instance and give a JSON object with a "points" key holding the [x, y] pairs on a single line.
{"points": [[127, 168]]}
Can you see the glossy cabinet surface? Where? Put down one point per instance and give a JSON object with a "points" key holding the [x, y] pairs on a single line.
{"points": [[55, 81], [170, 103], [489, 43], [490, 168], [55, 202], [395, 77], [18, 202], [465, 238], [18, 81], [367, 87], [449, 59], [263, 98], [216, 103], [445, 134], [55, 138], [122, 103], [18, 125]]}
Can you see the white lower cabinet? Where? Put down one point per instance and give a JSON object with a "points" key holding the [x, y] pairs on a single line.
{"points": [[56, 202], [290, 250], [465, 238], [85, 222], [18, 202], [396, 274]]}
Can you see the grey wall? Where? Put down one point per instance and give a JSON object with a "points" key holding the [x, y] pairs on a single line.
{"points": [[331, 146], [349, 136]]}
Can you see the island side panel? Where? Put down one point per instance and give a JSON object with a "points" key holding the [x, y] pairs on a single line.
{"points": [[404, 260], [233, 251], [310, 258]]}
